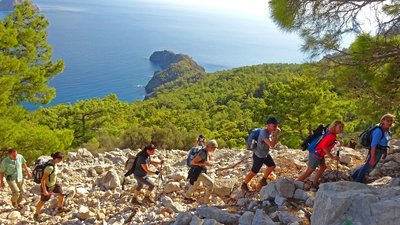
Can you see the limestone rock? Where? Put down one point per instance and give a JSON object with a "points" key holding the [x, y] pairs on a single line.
{"points": [[172, 187], [183, 218], [268, 192], [285, 187], [246, 218], [224, 187], [356, 202], [261, 218], [219, 215]]}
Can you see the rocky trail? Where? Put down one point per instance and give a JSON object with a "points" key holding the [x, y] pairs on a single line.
{"points": [[95, 196]]}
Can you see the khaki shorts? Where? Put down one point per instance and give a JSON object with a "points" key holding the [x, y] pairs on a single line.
{"points": [[55, 189]]}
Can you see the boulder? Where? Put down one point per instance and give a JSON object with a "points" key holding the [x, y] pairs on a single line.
{"points": [[300, 195], [224, 187], [110, 180], [261, 218], [219, 215], [285, 187], [356, 203], [84, 153], [287, 218], [172, 187], [246, 218], [268, 192], [183, 218], [84, 213]]}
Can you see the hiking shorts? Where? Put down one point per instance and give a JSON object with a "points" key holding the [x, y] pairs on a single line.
{"points": [[314, 162], [258, 162], [55, 189], [144, 181]]}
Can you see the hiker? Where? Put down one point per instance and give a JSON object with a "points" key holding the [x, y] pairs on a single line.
{"points": [[11, 168], [267, 139], [49, 185], [352, 144], [378, 148], [140, 171], [198, 170], [200, 140], [323, 148]]}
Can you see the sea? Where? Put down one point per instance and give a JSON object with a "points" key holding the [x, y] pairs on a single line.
{"points": [[106, 45]]}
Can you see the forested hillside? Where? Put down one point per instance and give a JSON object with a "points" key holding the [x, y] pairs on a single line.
{"points": [[224, 105]]}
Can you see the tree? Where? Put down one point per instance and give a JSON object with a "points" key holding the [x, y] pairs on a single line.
{"points": [[323, 23], [26, 58]]}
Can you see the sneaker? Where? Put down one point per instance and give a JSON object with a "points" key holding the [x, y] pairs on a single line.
{"points": [[244, 187], [263, 182], [36, 216]]}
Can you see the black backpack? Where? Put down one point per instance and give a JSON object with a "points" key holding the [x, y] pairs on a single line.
{"points": [[320, 130], [365, 137], [38, 171]]}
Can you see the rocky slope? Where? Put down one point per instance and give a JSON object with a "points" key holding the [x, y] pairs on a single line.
{"points": [[95, 196], [177, 70]]}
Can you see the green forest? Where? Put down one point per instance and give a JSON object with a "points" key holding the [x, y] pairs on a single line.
{"points": [[357, 84]]}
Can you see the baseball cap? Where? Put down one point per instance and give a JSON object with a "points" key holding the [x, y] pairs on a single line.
{"points": [[212, 143], [272, 120]]}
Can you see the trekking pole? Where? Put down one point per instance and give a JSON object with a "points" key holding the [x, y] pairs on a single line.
{"points": [[337, 164]]}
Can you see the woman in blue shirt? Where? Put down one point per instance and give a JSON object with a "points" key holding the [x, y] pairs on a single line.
{"points": [[378, 148]]}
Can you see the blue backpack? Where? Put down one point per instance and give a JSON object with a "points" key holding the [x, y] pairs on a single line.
{"points": [[192, 154], [312, 147], [251, 141]]}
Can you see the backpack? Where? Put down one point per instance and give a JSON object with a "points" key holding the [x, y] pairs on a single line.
{"points": [[320, 130], [130, 162], [192, 154], [38, 171], [312, 147], [365, 137], [251, 141]]}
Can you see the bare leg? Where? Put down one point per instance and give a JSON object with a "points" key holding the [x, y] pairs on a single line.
{"points": [[306, 174], [321, 170], [39, 206], [268, 171], [249, 176], [60, 201]]}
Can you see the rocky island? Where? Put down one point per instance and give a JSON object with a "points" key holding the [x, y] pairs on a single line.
{"points": [[177, 70]]}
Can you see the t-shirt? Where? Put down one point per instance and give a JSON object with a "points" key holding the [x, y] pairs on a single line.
{"points": [[13, 167], [203, 155], [53, 171], [262, 149], [377, 138], [142, 159], [327, 142]]}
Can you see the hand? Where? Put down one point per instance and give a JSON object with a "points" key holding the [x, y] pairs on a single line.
{"points": [[157, 172], [206, 163], [29, 174], [45, 193]]}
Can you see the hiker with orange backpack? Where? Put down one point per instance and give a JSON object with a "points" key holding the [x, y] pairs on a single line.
{"points": [[318, 149], [378, 144]]}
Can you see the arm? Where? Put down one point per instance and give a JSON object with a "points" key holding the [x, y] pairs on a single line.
{"points": [[328, 153], [156, 162], [376, 137], [1, 180], [28, 170], [274, 140], [147, 169], [197, 162], [43, 184]]}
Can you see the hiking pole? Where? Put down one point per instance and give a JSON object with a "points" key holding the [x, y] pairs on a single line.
{"points": [[337, 165]]}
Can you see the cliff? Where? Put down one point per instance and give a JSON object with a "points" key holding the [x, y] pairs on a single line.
{"points": [[177, 70]]}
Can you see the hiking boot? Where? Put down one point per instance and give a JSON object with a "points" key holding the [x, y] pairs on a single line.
{"points": [[36, 217], [188, 200], [244, 187], [60, 210], [314, 187], [135, 200], [14, 204], [263, 182], [149, 199]]}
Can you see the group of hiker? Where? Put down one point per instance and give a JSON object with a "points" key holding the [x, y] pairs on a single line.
{"points": [[198, 160]]}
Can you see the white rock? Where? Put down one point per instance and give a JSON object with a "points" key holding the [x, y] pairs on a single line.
{"points": [[246, 218], [285, 187], [172, 187], [261, 218]]}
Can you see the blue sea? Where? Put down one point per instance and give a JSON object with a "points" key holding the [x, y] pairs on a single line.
{"points": [[106, 45]]}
